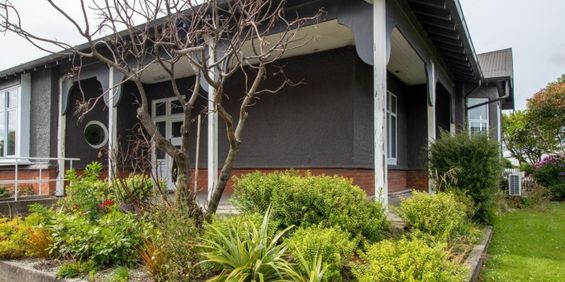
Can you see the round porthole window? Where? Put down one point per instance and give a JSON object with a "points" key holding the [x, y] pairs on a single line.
{"points": [[96, 134]]}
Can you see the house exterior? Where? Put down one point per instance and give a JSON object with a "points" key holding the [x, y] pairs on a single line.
{"points": [[383, 78]]}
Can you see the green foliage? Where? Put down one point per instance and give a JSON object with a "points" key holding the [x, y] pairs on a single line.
{"points": [[550, 172], [546, 109], [113, 239], [312, 269], [407, 260], [4, 192], [476, 160], [136, 188], [331, 246], [12, 238], [170, 254], [525, 138], [75, 269], [87, 193], [439, 215], [247, 252], [311, 200], [120, 274]]}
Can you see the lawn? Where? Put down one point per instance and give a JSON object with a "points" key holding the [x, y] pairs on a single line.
{"points": [[528, 245]]}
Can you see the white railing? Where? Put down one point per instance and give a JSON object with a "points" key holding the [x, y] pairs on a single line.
{"points": [[38, 164]]}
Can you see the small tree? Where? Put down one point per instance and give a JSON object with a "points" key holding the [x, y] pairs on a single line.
{"points": [[210, 39], [547, 108], [525, 139]]}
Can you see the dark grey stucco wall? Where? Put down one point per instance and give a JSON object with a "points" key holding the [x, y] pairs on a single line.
{"points": [[442, 110], [75, 144], [43, 118], [417, 131]]}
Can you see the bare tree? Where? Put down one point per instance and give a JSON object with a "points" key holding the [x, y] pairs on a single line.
{"points": [[210, 39]]}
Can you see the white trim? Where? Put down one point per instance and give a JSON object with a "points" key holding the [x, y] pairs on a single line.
{"points": [[431, 75], [379, 99], [103, 143], [23, 116], [212, 128], [60, 188], [112, 123], [392, 160]]}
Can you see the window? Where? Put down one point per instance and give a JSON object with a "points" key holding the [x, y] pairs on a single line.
{"points": [[391, 116], [8, 121], [478, 117], [96, 134]]}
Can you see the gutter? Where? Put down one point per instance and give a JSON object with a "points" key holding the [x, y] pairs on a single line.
{"points": [[507, 95]]}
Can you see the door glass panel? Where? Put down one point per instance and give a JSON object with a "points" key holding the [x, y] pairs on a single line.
{"points": [[162, 127], [176, 107], [393, 136], [160, 109], [12, 125], [176, 126]]}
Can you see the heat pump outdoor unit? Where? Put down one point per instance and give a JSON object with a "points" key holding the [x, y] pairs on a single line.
{"points": [[514, 184]]}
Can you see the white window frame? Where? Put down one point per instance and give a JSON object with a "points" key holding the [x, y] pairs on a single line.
{"points": [[486, 121], [392, 160], [5, 112], [23, 109]]}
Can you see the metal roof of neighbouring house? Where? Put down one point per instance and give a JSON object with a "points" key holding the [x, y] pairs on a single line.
{"points": [[497, 64]]}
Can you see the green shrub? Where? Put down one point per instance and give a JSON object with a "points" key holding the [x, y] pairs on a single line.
{"points": [[477, 162], [330, 245], [113, 239], [136, 188], [87, 193], [247, 252], [311, 201], [12, 238], [550, 172], [171, 254], [439, 215], [4, 192], [407, 260]]}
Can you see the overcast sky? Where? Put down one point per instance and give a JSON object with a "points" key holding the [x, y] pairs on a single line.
{"points": [[534, 29]]}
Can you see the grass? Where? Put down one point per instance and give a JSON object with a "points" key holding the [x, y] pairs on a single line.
{"points": [[528, 245]]}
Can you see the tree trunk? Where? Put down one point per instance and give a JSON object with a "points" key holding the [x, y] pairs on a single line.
{"points": [[185, 198], [222, 181]]}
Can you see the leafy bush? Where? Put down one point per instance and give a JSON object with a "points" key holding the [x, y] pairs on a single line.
{"points": [[136, 188], [247, 252], [407, 260], [4, 192], [170, 254], [113, 239], [12, 238], [311, 200], [331, 246], [550, 172], [476, 160], [120, 274], [87, 193], [439, 215]]}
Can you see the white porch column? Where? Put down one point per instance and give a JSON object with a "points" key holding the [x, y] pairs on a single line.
{"points": [[430, 69], [380, 93], [112, 123], [60, 188], [212, 129]]}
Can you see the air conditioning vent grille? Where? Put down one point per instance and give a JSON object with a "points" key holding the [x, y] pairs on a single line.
{"points": [[514, 185]]}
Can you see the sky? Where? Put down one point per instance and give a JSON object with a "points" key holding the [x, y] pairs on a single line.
{"points": [[534, 29]]}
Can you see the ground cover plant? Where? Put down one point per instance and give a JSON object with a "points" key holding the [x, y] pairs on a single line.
{"points": [[528, 245]]}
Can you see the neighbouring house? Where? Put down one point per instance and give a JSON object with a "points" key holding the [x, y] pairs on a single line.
{"points": [[411, 61]]}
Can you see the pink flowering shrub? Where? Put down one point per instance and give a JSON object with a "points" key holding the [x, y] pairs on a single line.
{"points": [[550, 172]]}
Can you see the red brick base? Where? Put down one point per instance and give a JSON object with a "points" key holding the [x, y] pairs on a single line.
{"points": [[398, 180], [29, 180]]}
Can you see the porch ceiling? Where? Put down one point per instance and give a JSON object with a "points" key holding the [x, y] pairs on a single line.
{"points": [[445, 26], [404, 62], [317, 38]]}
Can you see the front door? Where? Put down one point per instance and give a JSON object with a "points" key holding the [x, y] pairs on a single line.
{"points": [[167, 115]]}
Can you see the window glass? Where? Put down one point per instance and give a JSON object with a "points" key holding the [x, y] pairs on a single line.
{"points": [[12, 99], [176, 107], [391, 128], [393, 137], [176, 126], [96, 134], [162, 127], [12, 126], [478, 117], [2, 101]]}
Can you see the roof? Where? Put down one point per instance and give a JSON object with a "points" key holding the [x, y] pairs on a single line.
{"points": [[497, 64], [445, 25]]}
